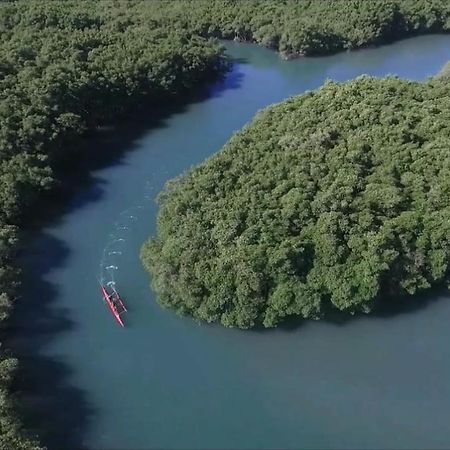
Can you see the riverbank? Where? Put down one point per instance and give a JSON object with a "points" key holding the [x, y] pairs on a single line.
{"points": [[67, 70], [320, 27]]}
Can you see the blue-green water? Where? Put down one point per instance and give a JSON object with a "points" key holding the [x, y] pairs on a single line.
{"points": [[167, 382]]}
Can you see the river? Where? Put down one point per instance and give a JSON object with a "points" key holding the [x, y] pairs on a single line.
{"points": [[379, 381]]}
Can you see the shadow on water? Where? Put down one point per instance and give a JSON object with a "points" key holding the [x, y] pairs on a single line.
{"points": [[58, 412], [107, 146], [233, 80], [385, 307], [392, 306], [51, 408]]}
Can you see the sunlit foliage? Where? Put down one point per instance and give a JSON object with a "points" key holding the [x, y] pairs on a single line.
{"points": [[311, 27], [67, 67], [324, 201]]}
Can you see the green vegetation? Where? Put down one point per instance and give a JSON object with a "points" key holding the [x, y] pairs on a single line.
{"points": [[324, 201], [311, 27], [68, 67]]}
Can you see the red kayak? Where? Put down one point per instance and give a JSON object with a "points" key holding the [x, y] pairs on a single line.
{"points": [[115, 303]]}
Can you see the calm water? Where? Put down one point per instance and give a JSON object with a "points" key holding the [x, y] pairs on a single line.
{"points": [[167, 382]]}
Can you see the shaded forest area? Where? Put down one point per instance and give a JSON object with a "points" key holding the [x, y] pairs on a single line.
{"points": [[69, 67], [325, 201], [66, 68]]}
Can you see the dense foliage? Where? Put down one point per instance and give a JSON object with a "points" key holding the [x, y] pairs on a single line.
{"points": [[310, 27], [66, 68], [324, 201]]}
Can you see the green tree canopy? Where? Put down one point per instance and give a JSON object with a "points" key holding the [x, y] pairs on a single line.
{"points": [[305, 27], [67, 67], [326, 199]]}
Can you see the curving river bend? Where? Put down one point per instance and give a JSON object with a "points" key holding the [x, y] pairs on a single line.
{"points": [[167, 382]]}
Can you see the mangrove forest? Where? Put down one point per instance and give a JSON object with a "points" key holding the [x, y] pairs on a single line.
{"points": [[326, 199], [323, 201]]}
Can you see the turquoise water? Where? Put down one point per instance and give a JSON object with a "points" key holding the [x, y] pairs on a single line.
{"points": [[167, 382]]}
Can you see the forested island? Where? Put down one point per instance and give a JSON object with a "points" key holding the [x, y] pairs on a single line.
{"points": [[67, 68], [324, 201]]}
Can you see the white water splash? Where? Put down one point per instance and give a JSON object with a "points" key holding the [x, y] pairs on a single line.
{"points": [[118, 236]]}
